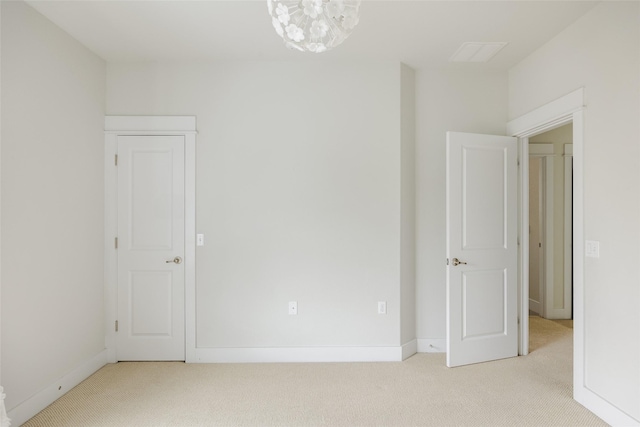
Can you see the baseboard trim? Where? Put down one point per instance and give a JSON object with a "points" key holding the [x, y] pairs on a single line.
{"points": [[297, 354], [36, 403], [559, 314], [432, 345], [609, 413], [409, 349]]}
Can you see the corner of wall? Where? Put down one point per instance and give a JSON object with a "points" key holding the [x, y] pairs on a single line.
{"points": [[408, 205]]}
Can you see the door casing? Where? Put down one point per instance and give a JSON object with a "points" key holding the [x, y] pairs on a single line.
{"points": [[562, 111], [147, 125]]}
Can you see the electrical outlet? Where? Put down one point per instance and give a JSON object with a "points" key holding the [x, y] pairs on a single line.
{"points": [[382, 307], [293, 307]]}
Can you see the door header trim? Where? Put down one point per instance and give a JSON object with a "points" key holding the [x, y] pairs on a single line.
{"points": [[119, 124], [549, 116]]}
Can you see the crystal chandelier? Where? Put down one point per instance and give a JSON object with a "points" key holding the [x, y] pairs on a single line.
{"points": [[314, 25]]}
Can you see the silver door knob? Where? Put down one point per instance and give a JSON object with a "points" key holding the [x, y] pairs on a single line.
{"points": [[456, 261], [176, 260]]}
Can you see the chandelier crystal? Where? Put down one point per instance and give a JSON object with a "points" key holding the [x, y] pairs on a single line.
{"points": [[314, 25]]}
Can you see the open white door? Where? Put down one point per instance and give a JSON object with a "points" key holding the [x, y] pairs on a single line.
{"points": [[482, 293]]}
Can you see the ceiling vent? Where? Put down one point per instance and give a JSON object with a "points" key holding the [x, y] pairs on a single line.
{"points": [[477, 51]]}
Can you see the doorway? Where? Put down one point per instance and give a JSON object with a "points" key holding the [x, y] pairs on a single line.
{"points": [[150, 213], [550, 223], [537, 196]]}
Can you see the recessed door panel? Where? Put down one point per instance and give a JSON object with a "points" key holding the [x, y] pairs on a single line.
{"points": [[484, 197], [488, 318], [150, 294], [151, 205]]}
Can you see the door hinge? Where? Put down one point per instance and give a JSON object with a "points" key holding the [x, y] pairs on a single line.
{"points": [[447, 261], [116, 326], [116, 243], [517, 159], [116, 160]]}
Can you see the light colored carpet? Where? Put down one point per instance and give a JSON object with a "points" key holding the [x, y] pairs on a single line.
{"points": [[526, 391]]}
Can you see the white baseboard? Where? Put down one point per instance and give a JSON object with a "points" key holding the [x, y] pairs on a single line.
{"points": [[36, 403], [409, 349], [559, 314], [611, 414], [432, 345], [297, 354]]}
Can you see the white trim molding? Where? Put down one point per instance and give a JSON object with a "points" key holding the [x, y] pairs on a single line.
{"points": [[549, 116], [298, 354], [611, 414], [45, 397], [154, 124], [149, 125]]}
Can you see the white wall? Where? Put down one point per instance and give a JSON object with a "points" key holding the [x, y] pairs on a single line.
{"points": [[463, 99], [298, 195], [53, 96], [601, 52]]}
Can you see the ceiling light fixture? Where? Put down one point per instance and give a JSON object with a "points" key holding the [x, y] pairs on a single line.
{"points": [[314, 25]]}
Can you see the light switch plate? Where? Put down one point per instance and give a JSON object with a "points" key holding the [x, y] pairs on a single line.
{"points": [[199, 239], [592, 248]]}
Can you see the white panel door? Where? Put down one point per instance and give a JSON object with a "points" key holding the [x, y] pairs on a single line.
{"points": [[151, 246], [482, 312]]}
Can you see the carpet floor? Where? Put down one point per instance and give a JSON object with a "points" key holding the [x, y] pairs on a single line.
{"points": [[534, 390]]}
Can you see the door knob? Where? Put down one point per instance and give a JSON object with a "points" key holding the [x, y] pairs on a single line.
{"points": [[456, 261], [176, 260]]}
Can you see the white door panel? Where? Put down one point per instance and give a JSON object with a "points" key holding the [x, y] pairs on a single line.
{"points": [[482, 235], [151, 220]]}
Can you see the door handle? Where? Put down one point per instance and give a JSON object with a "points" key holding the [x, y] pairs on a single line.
{"points": [[176, 260], [456, 261]]}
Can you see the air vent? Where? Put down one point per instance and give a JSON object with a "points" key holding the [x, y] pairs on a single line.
{"points": [[477, 51]]}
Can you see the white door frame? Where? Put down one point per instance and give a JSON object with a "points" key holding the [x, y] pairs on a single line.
{"points": [[148, 125], [565, 110]]}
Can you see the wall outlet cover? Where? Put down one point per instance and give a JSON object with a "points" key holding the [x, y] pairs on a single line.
{"points": [[382, 307], [293, 307]]}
